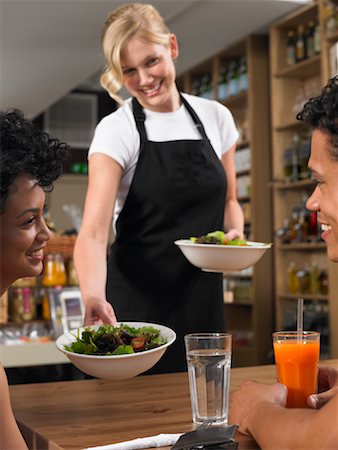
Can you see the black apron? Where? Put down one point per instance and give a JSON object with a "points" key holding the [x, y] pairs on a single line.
{"points": [[178, 190]]}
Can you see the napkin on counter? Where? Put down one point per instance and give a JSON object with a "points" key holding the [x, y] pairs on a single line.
{"points": [[160, 440]]}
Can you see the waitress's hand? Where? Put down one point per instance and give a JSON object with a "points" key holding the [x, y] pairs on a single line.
{"points": [[99, 312], [327, 387], [234, 234]]}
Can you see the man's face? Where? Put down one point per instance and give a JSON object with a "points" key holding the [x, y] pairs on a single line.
{"points": [[324, 199]]}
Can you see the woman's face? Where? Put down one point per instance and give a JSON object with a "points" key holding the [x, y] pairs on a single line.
{"points": [[149, 73], [23, 232], [324, 198]]}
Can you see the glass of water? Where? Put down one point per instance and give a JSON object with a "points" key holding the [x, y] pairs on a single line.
{"points": [[209, 361]]}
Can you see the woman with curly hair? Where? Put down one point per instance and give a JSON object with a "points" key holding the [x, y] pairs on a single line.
{"points": [[259, 409], [29, 164]]}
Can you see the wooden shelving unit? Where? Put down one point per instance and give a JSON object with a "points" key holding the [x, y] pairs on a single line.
{"points": [[286, 84], [249, 319]]}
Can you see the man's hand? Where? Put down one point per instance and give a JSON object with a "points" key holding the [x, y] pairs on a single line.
{"points": [[249, 396], [327, 387]]}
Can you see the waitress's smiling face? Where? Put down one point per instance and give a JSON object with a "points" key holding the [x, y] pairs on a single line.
{"points": [[149, 73], [324, 198], [23, 231]]}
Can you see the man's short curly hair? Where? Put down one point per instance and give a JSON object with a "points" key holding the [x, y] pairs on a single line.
{"points": [[322, 113], [27, 150]]}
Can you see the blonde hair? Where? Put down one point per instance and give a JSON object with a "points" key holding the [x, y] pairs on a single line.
{"points": [[121, 25]]}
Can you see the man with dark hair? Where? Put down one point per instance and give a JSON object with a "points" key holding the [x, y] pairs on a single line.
{"points": [[259, 409]]}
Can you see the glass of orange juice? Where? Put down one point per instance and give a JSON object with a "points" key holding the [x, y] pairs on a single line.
{"points": [[297, 359]]}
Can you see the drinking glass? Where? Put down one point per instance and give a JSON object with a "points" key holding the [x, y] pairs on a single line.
{"points": [[297, 358], [209, 360]]}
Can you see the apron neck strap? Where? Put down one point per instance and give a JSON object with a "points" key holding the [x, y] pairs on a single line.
{"points": [[195, 117], [140, 118]]}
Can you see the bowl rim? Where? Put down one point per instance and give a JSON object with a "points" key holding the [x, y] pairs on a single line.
{"points": [[60, 346], [250, 245]]}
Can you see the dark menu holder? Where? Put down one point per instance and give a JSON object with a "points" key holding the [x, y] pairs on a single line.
{"points": [[211, 438]]}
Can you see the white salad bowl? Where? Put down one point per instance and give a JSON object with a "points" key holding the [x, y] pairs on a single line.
{"points": [[222, 258], [116, 367]]}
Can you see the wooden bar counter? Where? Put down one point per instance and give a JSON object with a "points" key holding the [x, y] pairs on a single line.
{"points": [[74, 415]]}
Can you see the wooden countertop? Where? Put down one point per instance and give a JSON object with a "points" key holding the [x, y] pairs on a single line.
{"points": [[73, 415]]}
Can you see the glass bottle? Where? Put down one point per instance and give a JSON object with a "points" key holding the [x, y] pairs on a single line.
{"points": [[223, 83], [317, 40], [291, 48], [243, 75], [28, 304], [72, 275], [293, 285], [54, 273], [310, 39], [233, 78], [300, 44], [314, 278], [208, 87]]}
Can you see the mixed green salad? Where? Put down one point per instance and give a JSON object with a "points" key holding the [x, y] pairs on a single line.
{"points": [[115, 340], [219, 238]]}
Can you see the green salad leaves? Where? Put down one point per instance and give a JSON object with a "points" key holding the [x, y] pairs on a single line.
{"points": [[115, 340], [217, 237]]}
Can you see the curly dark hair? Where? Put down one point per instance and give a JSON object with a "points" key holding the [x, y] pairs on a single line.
{"points": [[322, 113], [26, 149]]}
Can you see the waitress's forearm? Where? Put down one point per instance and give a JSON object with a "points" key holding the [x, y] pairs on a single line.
{"points": [[233, 216], [91, 267]]}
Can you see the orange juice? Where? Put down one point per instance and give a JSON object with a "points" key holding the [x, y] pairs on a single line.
{"points": [[297, 365]]}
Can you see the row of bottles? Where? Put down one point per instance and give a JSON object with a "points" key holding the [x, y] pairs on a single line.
{"points": [[330, 15], [303, 43], [29, 297], [309, 279], [203, 87], [233, 78], [295, 158], [301, 227]]}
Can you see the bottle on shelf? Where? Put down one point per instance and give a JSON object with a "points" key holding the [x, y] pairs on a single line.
{"points": [[72, 278], [300, 44], [314, 278], [317, 41], [195, 88], [310, 39], [330, 18], [291, 164], [223, 83], [291, 48], [22, 294], [208, 93], [303, 277], [233, 78], [304, 154], [293, 285], [54, 274], [243, 75]]}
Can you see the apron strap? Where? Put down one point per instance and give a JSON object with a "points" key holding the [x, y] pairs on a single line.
{"points": [[140, 118], [195, 117]]}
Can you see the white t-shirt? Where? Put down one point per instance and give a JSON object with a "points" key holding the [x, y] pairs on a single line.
{"points": [[116, 135]]}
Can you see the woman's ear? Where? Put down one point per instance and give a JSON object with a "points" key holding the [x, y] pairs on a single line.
{"points": [[173, 45]]}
